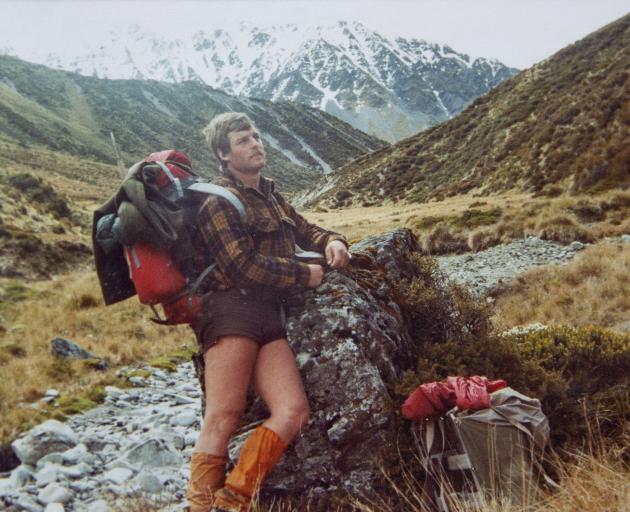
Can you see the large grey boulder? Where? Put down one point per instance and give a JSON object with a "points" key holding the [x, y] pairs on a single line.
{"points": [[351, 344], [155, 452], [51, 436]]}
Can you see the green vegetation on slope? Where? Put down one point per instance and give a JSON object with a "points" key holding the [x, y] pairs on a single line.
{"points": [[565, 121], [42, 107]]}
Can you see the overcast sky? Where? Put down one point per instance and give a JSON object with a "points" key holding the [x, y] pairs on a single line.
{"points": [[517, 32]]}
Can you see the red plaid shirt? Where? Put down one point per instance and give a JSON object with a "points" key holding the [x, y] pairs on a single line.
{"points": [[261, 252]]}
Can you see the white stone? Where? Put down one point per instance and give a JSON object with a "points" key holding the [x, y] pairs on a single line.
{"points": [[50, 436], [114, 392], [184, 419], [20, 476], [75, 455], [118, 475], [99, 506], [6, 486], [54, 507], [27, 503], [76, 471], [51, 458], [48, 474], [190, 438], [54, 493], [138, 381], [148, 482], [183, 400], [52, 393], [154, 452]]}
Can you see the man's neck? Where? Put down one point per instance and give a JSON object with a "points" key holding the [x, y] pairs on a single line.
{"points": [[249, 180]]}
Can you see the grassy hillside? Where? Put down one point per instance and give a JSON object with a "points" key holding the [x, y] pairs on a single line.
{"points": [[563, 124], [74, 114]]}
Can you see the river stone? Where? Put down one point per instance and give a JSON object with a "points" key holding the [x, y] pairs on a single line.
{"points": [[54, 507], [27, 503], [54, 493], [48, 474], [184, 419], [67, 349], [50, 436], [99, 506], [75, 455], [20, 476], [148, 482], [117, 475], [154, 452]]}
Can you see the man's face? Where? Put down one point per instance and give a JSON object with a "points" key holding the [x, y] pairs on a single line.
{"points": [[247, 154]]}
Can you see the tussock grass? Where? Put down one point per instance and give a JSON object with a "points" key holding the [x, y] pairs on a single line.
{"points": [[590, 290], [462, 223], [589, 481], [71, 307]]}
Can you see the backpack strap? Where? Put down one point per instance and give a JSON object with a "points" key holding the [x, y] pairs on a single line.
{"points": [[217, 190], [174, 180]]}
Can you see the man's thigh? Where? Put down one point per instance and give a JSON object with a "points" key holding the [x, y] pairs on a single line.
{"points": [[277, 378], [229, 364]]}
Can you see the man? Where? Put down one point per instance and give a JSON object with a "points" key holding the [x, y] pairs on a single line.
{"points": [[241, 329]]}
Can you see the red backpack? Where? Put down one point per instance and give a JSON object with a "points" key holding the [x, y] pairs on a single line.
{"points": [[163, 273]]}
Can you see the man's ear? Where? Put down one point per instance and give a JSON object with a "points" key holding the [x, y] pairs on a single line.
{"points": [[223, 156]]}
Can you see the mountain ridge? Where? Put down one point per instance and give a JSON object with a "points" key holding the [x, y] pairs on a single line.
{"points": [[73, 113], [562, 123], [388, 87]]}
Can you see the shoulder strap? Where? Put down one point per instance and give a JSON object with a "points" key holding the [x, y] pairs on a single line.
{"points": [[217, 190]]}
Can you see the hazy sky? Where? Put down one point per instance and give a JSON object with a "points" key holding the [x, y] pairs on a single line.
{"points": [[517, 32]]}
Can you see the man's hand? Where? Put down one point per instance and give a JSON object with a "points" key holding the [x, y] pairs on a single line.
{"points": [[317, 275], [337, 255]]}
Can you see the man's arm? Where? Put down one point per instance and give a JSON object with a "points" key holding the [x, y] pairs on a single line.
{"points": [[232, 247]]}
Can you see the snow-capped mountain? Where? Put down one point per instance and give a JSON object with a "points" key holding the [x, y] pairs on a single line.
{"points": [[388, 88]]}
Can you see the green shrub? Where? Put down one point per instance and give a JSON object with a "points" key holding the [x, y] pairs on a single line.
{"points": [[473, 218], [41, 193], [579, 374], [442, 241]]}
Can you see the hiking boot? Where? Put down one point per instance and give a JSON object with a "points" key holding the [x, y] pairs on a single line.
{"points": [[230, 500], [207, 475]]}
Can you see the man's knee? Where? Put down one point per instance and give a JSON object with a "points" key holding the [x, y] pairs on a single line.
{"points": [[222, 420], [295, 416]]}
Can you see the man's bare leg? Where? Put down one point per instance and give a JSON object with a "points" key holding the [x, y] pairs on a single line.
{"points": [[278, 381], [228, 372]]}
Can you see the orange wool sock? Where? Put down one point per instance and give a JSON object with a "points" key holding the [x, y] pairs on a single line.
{"points": [[207, 475], [259, 455]]}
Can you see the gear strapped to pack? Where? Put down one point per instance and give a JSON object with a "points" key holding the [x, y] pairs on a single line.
{"points": [[146, 228]]}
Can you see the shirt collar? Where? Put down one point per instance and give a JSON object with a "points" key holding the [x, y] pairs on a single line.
{"points": [[265, 188]]}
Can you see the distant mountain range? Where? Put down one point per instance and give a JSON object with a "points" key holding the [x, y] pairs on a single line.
{"points": [[563, 124], [75, 114], [390, 88]]}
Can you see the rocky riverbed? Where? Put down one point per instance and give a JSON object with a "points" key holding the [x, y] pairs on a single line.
{"points": [[484, 270], [137, 445]]}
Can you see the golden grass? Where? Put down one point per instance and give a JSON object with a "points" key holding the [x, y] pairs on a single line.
{"points": [[592, 289], [588, 482], [507, 217], [71, 307]]}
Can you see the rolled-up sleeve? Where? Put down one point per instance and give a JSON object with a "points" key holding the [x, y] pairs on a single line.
{"points": [[230, 244]]}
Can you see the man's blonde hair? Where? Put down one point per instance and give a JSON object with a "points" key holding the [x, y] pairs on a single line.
{"points": [[220, 126]]}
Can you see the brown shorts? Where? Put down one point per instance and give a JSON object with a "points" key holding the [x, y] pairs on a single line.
{"points": [[240, 312]]}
